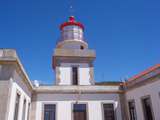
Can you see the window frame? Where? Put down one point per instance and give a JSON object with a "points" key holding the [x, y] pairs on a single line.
{"points": [[143, 109], [132, 100], [72, 109], [49, 103], [16, 95], [28, 110], [24, 109], [76, 66], [102, 108]]}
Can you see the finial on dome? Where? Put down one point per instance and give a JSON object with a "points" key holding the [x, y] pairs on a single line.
{"points": [[71, 18]]}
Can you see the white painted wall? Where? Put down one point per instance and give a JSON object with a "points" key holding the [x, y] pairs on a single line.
{"points": [[23, 96], [64, 110], [65, 71], [65, 76], [74, 45], [84, 76], [64, 104], [20, 87], [152, 89]]}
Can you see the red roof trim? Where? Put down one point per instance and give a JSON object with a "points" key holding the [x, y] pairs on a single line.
{"points": [[144, 72], [71, 22]]}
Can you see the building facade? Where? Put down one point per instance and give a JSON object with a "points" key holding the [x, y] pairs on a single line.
{"points": [[75, 94]]}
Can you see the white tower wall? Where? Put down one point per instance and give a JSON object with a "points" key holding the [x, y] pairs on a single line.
{"points": [[64, 75]]}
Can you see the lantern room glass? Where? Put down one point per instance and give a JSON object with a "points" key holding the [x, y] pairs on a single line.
{"points": [[72, 32]]}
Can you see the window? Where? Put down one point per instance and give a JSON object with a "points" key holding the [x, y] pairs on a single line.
{"points": [[132, 110], [108, 112], [75, 75], [16, 107], [147, 108], [24, 110], [81, 47], [79, 112], [49, 112]]}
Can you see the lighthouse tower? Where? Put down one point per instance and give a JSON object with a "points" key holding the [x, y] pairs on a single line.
{"points": [[72, 60]]}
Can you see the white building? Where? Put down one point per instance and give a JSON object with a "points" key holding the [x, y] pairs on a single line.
{"points": [[75, 95]]}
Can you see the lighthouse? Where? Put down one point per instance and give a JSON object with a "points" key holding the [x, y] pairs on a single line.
{"points": [[72, 59]]}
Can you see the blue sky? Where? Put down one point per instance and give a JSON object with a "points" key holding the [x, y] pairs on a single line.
{"points": [[125, 34]]}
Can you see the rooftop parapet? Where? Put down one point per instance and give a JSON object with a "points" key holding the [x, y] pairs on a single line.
{"points": [[79, 89], [9, 56], [150, 75], [8, 53]]}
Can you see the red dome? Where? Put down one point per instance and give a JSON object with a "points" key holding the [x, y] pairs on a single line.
{"points": [[71, 22]]}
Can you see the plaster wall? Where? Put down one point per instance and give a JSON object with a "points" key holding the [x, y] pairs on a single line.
{"points": [[4, 97], [18, 86], [64, 103], [72, 45], [6, 72], [65, 76], [151, 89], [84, 76], [18, 79], [64, 73]]}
